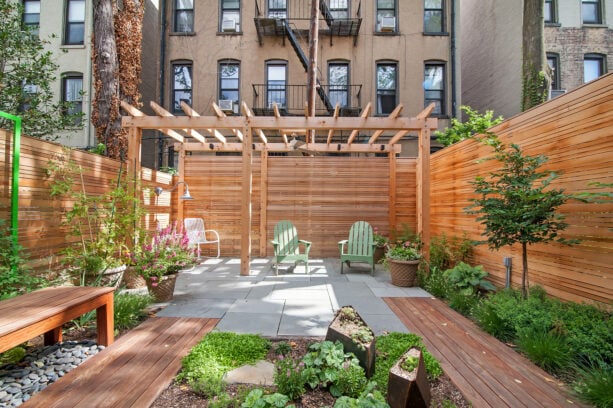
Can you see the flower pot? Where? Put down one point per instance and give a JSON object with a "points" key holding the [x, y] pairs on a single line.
{"points": [[342, 330], [379, 253], [162, 289], [403, 273], [132, 279], [408, 388]]}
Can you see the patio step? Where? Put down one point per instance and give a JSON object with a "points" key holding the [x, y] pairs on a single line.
{"points": [[485, 370], [133, 371]]}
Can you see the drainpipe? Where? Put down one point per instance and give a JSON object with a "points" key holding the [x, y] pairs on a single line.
{"points": [[162, 77], [453, 60], [15, 178], [508, 263]]}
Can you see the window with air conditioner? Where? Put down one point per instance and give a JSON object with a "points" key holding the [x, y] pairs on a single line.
{"points": [[386, 16], [230, 16], [277, 8], [229, 89]]}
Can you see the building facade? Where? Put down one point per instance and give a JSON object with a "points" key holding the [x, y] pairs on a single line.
{"points": [[578, 41], [383, 52]]}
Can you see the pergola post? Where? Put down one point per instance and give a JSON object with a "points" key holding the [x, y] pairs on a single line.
{"points": [[392, 192], [181, 183], [133, 167], [263, 200], [423, 188], [246, 198]]}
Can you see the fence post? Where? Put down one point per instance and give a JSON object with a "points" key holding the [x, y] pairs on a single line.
{"points": [[15, 178], [246, 199]]}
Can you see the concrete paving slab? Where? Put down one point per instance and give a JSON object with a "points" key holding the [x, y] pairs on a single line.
{"points": [[306, 294], [190, 307], [384, 323], [255, 323], [257, 306], [314, 326], [304, 309]]}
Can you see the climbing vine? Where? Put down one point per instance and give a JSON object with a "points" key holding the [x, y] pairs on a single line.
{"points": [[534, 88]]}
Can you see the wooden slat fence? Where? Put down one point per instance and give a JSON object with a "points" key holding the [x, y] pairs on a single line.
{"points": [[576, 132], [322, 195]]}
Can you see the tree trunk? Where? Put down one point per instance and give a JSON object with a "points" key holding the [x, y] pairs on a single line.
{"points": [[312, 72], [524, 275], [536, 73], [106, 101]]}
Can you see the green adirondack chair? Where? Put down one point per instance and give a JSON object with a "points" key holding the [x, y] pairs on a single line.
{"points": [[360, 247], [286, 245]]}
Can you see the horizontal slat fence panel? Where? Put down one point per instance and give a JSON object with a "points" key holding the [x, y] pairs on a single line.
{"points": [[40, 231], [575, 131], [322, 195]]}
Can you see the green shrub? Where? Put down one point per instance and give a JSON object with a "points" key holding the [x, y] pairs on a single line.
{"points": [[257, 399], [289, 377], [12, 356], [446, 253], [548, 350], [351, 382], [436, 283], [488, 318], [369, 398], [130, 310], [390, 347], [324, 362], [219, 352], [209, 386], [462, 301], [595, 385], [468, 279]]}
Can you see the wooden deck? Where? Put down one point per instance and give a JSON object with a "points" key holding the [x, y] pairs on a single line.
{"points": [[132, 372], [485, 370]]}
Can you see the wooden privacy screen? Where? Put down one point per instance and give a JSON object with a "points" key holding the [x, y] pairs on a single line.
{"points": [[322, 195], [576, 132], [40, 216]]}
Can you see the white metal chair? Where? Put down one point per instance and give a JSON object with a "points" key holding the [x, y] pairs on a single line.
{"points": [[197, 235]]}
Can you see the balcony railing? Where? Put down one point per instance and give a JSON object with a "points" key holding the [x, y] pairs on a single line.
{"points": [[290, 99]]}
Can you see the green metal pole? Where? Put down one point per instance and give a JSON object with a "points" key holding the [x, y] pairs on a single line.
{"points": [[15, 176]]}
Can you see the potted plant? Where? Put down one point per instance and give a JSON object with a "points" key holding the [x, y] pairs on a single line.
{"points": [[402, 259], [407, 384], [159, 260], [380, 243]]}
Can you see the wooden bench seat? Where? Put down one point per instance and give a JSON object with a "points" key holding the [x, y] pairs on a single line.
{"points": [[45, 311]]}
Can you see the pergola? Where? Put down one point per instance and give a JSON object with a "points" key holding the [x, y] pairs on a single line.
{"points": [[249, 133]]}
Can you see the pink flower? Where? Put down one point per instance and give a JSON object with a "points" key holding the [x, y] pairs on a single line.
{"points": [[154, 278], [154, 284]]}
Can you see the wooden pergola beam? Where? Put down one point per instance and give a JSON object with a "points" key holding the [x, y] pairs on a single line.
{"points": [[275, 110], [285, 122], [138, 114], [337, 111], [282, 147], [163, 112], [221, 114], [426, 112], [193, 114], [250, 115], [393, 115], [363, 115]]}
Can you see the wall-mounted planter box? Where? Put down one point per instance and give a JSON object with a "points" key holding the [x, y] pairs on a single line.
{"points": [[344, 327], [408, 389]]}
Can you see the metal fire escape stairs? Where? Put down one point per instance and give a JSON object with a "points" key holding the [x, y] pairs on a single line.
{"points": [[293, 40]]}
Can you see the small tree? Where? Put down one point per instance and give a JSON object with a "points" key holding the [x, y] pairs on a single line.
{"points": [[27, 71], [476, 123], [515, 204]]}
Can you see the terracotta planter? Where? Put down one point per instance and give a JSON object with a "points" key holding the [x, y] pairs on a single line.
{"points": [[162, 290], [408, 388], [403, 273], [339, 330]]}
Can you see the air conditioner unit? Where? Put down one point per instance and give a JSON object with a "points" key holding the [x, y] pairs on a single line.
{"points": [[271, 105], [557, 92], [228, 25], [226, 105], [388, 24]]}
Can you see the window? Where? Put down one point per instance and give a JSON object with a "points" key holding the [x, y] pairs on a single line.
{"points": [[591, 11], [433, 16], [229, 75], [338, 78], [549, 12], [31, 15], [75, 22], [593, 66], [339, 8], [276, 81], [434, 87], [554, 63], [386, 16], [184, 16], [72, 93], [277, 8], [386, 87], [181, 85], [230, 15]]}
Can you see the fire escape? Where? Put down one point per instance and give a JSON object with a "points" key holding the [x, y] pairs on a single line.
{"points": [[294, 29]]}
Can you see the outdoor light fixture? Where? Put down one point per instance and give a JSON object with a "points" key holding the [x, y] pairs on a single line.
{"points": [[185, 196]]}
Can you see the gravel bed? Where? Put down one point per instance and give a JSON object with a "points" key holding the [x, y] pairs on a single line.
{"points": [[41, 367]]}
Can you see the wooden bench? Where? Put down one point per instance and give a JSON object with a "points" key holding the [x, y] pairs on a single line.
{"points": [[45, 311]]}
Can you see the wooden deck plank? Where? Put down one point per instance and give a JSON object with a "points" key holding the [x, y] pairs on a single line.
{"points": [[486, 371], [133, 371]]}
